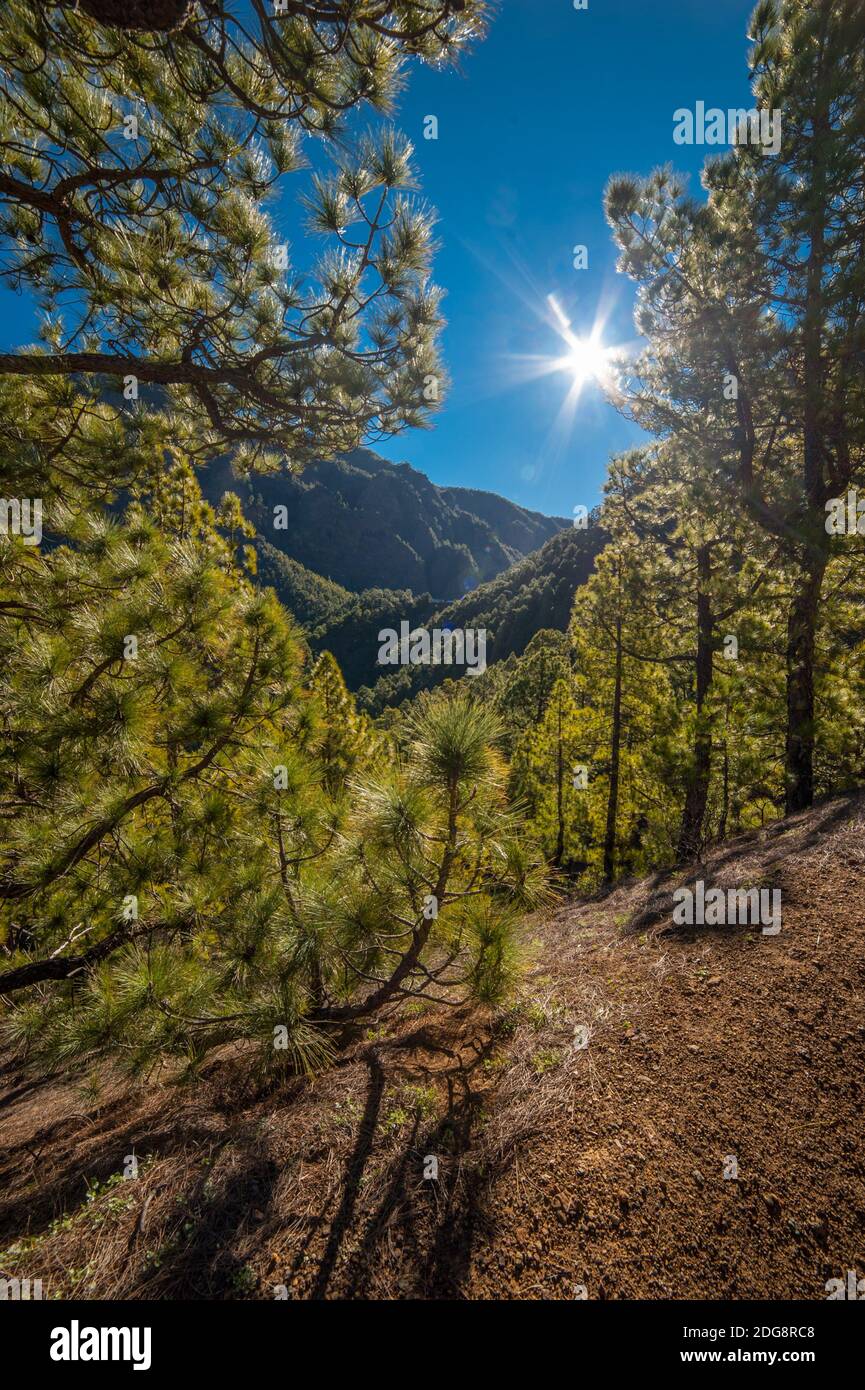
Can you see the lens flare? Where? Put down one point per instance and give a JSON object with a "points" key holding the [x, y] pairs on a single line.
{"points": [[587, 360]]}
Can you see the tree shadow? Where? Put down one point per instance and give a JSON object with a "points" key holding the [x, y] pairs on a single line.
{"points": [[186, 1236], [197, 1261], [354, 1174], [823, 819], [433, 1220]]}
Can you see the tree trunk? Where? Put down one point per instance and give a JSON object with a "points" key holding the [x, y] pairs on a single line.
{"points": [[805, 603], [697, 794], [801, 633], [390, 987], [146, 15], [560, 777], [725, 797], [615, 757]]}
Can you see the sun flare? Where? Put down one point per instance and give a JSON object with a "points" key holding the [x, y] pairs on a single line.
{"points": [[587, 360]]}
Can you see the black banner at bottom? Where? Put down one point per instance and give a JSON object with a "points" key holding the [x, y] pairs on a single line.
{"points": [[64, 1339]]}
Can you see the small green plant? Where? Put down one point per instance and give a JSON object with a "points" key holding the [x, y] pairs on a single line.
{"points": [[412, 1102], [536, 1015], [244, 1280], [346, 1113], [102, 1201], [495, 1064], [395, 1119], [79, 1275], [415, 1007], [507, 1022], [421, 1100], [99, 1206], [544, 1060]]}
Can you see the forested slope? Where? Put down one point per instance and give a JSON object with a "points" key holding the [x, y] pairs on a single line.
{"points": [[533, 595]]}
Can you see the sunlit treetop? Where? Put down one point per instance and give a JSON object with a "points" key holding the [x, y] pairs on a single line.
{"points": [[137, 164], [310, 60]]}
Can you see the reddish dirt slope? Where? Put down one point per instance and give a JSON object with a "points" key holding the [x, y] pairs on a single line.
{"points": [[558, 1167]]}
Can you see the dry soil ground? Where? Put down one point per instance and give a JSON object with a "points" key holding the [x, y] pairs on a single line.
{"points": [[604, 1170]]}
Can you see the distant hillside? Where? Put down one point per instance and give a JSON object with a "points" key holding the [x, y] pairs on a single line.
{"points": [[336, 620], [310, 599], [365, 523], [534, 594], [538, 592]]}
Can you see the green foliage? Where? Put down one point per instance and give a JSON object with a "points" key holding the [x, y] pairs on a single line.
{"points": [[697, 606], [520, 687], [203, 844], [312, 600], [351, 632], [137, 173], [752, 307]]}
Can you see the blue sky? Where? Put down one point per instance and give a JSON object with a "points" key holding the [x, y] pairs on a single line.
{"points": [[541, 114], [530, 128]]}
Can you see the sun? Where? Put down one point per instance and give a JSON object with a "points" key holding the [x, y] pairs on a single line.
{"points": [[586, 360]]}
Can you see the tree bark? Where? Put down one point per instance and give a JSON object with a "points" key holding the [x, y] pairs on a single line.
{"points": [[615, 757], [805, 603], [560, 777], [697, 794], [801, 635], [389, 988], [145, 15], [725, 784], [60, 967]]}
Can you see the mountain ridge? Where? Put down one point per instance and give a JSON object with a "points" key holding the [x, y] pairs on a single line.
{"points": [[364, 523]]}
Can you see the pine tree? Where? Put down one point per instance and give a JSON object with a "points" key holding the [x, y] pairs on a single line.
{"points": [[136, 671], [210, 890], [695, 573], [346, 737], [136, 172], [753, 307], [203, 843]]}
